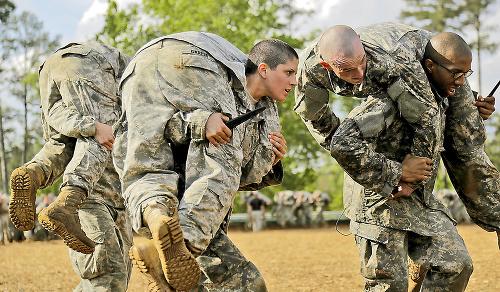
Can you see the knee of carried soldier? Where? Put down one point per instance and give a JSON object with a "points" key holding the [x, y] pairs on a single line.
{"points": [[462, 265]]}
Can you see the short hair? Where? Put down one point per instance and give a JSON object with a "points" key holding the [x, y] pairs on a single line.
{"points": [[338, 41], [446, 44], [273, 52]]}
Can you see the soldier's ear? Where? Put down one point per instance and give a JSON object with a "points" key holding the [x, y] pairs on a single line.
{"points": [[428, 65], [263, 70], [325, 65]]}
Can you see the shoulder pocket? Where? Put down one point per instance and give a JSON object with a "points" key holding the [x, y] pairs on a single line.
{"points": [[410, 107], [371, 116]]}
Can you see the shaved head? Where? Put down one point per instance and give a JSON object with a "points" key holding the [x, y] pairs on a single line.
{"points": [[339, 41], [446, 47], [447, 61]]}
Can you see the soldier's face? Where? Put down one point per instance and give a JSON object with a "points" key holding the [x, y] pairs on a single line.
{"points": [[442, 74], [352, 70], [281, 80]]}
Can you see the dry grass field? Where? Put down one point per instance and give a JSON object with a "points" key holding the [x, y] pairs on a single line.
{"points": [[290, 260]]}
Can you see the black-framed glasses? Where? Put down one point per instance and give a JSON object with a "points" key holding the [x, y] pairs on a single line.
{"points": [[456, 75]]}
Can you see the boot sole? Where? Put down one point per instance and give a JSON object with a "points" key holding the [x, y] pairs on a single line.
{"points": [[152, 270], [68, 238], [179, 266], [22, 209]]}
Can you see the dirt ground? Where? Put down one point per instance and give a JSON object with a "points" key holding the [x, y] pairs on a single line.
{"points": [[290, 260]]}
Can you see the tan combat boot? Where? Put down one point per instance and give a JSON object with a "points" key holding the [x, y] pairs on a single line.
{"points": [[145, 257], [61, 217], [179, 266], [24, 183]]}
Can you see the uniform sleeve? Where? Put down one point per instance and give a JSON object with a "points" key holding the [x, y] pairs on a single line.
{"points": [[475, 178], [272, 178], [186, 126], [64, 119], [312, 105], [350, 147], [416, 102]]}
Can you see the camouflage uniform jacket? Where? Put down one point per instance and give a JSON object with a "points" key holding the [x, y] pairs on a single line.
{"points": [[370, 145], [475, 178], [179, 116], [66, 108], [393, 55], [75, 94]]}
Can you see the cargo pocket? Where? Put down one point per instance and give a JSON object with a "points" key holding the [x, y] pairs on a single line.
{"points": [[371, 232], [89, 266]]}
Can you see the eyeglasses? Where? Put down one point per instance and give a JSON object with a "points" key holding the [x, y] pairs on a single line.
{"points": [[456, 75]]}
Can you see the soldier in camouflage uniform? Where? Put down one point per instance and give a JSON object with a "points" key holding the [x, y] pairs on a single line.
{"points": [[80, 102], [390, 62], [186, 84], [391, 223], [285, 208], [321, 202]]}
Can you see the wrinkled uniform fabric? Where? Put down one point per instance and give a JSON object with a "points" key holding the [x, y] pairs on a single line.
{"points": [[171, 87], [394, 52], [475, 178], [224, 268], [370, 145], [79, 86], [108, 268]]}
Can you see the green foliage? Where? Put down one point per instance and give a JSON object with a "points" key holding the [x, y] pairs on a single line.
{"points": [[241, 22], [492, 145], [432, 15], [6, 7], [441, 15], [24, 45]]}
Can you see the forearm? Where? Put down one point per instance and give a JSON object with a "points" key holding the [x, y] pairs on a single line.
{"points": [[69, 122], [368, 168], [312, 105]]}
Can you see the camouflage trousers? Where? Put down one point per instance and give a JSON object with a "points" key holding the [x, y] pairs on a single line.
{"points": [[109, 267], [257, 220], [384, 266], [224, 268], [284, 215], [81, 160]]}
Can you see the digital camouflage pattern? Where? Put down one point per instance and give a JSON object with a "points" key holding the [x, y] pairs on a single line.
{"points": [[385, 260], [393, 54], [390, 51], [370, 145], [78, 86], [171, 87], [475, 178], [224, 268], [108, 268]]}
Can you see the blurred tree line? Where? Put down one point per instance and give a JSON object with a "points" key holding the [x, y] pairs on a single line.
{"points": [[25, 45]]}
